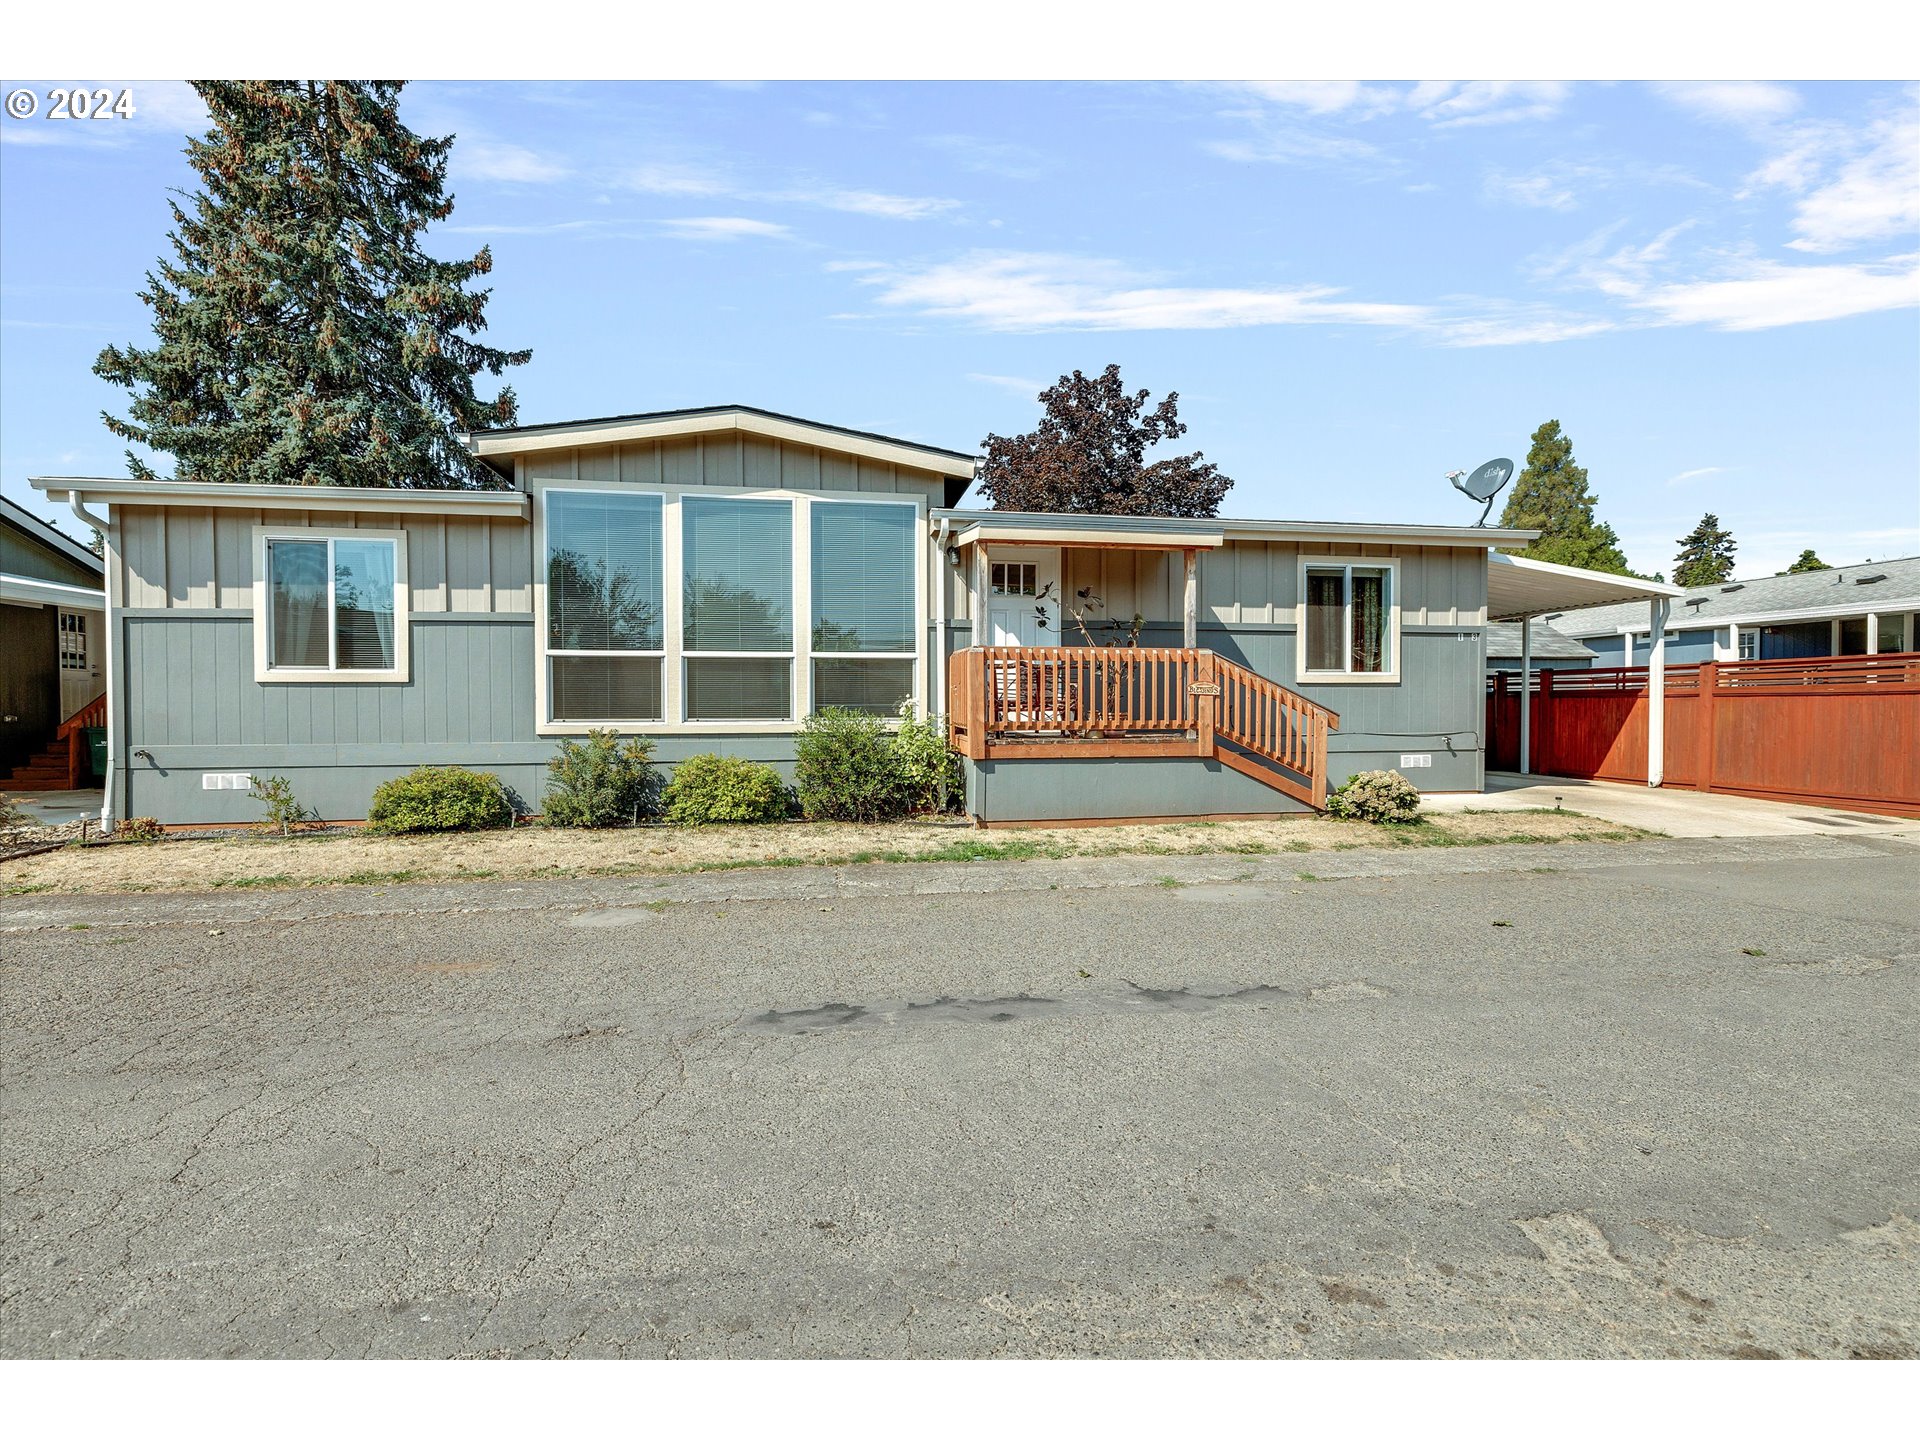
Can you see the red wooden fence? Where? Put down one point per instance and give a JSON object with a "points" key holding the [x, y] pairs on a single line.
{"points": [[1842, 731]]}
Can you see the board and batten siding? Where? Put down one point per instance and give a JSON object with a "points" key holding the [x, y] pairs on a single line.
{"points": [[1252, 582], [729, 461], [201, 558]]}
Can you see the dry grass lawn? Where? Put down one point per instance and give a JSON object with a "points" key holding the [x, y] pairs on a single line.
{"points": [[357, 858]]}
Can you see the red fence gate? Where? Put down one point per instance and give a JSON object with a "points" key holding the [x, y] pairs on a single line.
{"points": [[1843, 731]]}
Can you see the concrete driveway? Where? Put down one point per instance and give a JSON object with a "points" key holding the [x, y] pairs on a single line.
{"points": [[1579, 1100], [1686, 813]]}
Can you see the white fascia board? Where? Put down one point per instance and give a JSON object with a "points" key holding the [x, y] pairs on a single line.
{"points": [[617, 432], [1124, 539], [22, 590], [1469, 536], [365, 499]]}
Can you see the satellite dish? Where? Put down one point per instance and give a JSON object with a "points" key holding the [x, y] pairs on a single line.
{"points": [[1483, 484]]}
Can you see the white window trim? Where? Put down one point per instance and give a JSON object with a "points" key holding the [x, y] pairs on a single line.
{"points": [[268, 674], [674, 657], [1389, 676]]}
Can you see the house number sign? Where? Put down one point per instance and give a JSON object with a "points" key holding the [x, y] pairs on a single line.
{"points": [[1199, 688]]}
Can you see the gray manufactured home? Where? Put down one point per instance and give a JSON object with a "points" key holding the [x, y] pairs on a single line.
{"points": [[710, 577]]}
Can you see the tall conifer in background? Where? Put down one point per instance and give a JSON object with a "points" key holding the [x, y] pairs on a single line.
{"points": [[1706, 554], [1551, 496], [303, 336]]}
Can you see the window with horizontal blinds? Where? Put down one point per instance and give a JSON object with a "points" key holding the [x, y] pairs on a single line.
{"points": [[863, 606], [606, 589], [862, 578], [363, 592], [604, 569], [737, 560]]}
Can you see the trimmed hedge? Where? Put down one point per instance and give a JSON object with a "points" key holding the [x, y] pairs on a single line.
{"points": [[725, 790], [439, 797]]}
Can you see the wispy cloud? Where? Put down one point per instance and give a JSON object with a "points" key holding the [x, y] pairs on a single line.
{"points": [[1451, 105], [1323, 97], [1736, 102], [1024, 293], [677, 178], [1015, 383], [1875, 195], [493, 160], [552, 227], [724, 227], [1766, 294], [1700, 474], [1542, 190]]}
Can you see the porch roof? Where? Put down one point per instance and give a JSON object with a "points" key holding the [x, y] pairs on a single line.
{"points": [[1518, 587], [1157, 532]]}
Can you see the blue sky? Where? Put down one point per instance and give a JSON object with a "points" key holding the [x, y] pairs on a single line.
{"points": [[1354, 287]]}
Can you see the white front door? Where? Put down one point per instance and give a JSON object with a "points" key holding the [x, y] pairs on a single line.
{"points": [[79, 659], [1023, 590]]}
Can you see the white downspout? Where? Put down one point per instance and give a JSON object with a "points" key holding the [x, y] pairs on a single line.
{"points": [[76, 502], [1657, 692], [940, 582], [1526, 694]]}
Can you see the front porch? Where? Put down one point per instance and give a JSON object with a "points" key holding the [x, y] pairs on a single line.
{"points": [[1031, 703]]}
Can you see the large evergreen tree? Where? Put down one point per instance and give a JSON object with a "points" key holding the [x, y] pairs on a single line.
{"points": [[1706, 554], [1807, 561], [1088, 456], [1551, 496], [304, 337]]}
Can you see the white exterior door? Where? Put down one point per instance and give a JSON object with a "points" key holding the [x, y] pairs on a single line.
{"points": [[79, 660], [1023, 583]]}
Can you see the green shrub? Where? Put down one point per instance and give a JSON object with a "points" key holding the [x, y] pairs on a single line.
{"points": [[930, 770], [725, 790], [139, 830], [439, 797], [285, 813], [600, 781], [846, 769], [1380, 797]]}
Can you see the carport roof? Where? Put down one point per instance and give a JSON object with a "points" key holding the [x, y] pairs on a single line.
{"points": [[1518, 587]]}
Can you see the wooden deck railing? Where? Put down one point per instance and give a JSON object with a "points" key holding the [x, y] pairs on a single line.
{"points": [[1015, 703]]}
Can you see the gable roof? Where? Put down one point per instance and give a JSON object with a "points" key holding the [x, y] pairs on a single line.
{"points": [[39, 532], [1503, 642], [1845, 589], [956, 465]]}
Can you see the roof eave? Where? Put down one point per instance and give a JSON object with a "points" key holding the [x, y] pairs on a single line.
{"points": [[502, 504]]}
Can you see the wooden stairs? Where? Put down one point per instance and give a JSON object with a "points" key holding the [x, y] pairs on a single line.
{"points": [[63, 764]]}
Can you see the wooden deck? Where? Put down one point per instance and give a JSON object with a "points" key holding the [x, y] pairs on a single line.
{"points": [[1016, 703]]}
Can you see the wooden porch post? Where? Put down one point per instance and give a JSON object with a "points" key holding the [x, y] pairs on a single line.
{"points": [[1206, 674], [1190, 613], [982, 632], [1703, 727]]}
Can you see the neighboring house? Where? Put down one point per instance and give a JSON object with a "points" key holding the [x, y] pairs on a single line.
{"points": [[710, 577], [1550, 649], [51, 633], [1871, 609]]}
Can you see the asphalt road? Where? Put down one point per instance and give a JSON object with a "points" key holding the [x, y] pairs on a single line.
{"points": [[1519, 1102]]}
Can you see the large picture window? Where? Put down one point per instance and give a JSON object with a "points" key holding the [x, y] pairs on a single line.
{"points": [[1348, 625], [863, 606], [332, 605], [606, 636], [737, 608]]}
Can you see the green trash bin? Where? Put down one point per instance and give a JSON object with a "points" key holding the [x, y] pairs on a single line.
{"points": [[97, 749]]}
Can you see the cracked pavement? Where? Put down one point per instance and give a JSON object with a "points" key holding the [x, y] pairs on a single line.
{"points": [[1144, 1106]]}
